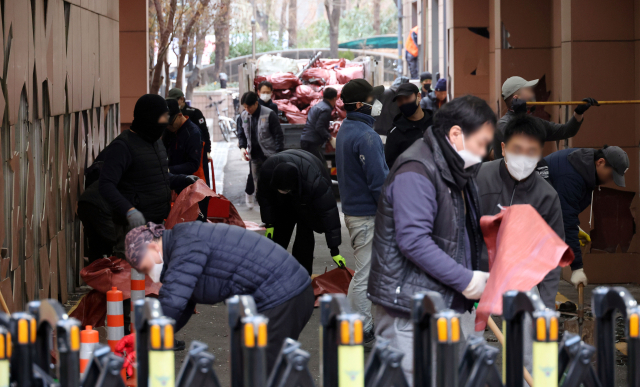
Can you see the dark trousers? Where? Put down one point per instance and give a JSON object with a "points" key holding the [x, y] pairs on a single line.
{"points": [[304, 243], [99, 231], [412, 62], [287, 320], [315, 149]]}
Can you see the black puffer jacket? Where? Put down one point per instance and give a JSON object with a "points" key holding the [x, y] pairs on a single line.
{"points": [[313, 201]]}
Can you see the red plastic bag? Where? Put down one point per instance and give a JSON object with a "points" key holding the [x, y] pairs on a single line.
{"points": [[315, 72], [91, 309], [307, 93], [283, 94], [186, 209], [283, 81], [348, 73], [293, 114], [104, 273], [522, 249], [339, 113], [334, 281], [330, 63]]}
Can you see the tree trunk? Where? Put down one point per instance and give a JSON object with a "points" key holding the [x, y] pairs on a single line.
{"points": [[283, 22], [167, 79], [165, 30], [184, 44], [376, 16], [293, 23], [333, 9], [192, 82], [221, 31]]}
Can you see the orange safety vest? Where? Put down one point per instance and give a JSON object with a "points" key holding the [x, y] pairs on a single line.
{"points": [[410, 46]]}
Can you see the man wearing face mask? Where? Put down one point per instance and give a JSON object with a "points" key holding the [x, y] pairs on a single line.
{"points": [[516, 92], [294, 191], [361, 172], [575, 173], [438, 97], [511, 180], [206, 263], [425, 80], [409, 125], [265, 90], [135, 178], [427, 234]]}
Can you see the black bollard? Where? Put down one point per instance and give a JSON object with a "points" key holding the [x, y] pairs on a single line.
{"points": [[240, 308], [478, 366], [254, 347], [448, 334], [23, 332], [574, 360], [425, 306], [154, 344], [197, 369], [292, 367]]}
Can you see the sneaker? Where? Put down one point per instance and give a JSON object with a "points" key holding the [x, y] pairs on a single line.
{"points": [[249, 200], [369, 340], [178, 345]]}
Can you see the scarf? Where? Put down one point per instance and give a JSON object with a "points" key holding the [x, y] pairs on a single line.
{"points": [[456, 165]]}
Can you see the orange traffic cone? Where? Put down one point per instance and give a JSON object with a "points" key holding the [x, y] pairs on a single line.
{"points": [[88, 340]]}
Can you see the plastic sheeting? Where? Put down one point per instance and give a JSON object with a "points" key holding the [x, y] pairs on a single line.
{"points": [[186, 209], [334, 281], [269, 64], [522, 249]]}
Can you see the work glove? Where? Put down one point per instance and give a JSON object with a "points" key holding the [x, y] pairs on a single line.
{"points": [[135, 218], [126, 348], [245, 154], [476, 287], [191, 179], [519, 106], [339, 260], [269, 232], [580, 109], [584, 237], [578, 277]]}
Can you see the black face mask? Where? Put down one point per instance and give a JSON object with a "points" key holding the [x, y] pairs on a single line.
{"points": [[407, 109], [365, 109], [152, 133], [426, 87]]}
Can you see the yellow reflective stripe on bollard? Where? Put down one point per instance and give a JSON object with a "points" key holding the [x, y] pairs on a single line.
{"points": [[34, 329], [442, 329], [75, 338], [541, 329], [162, 369], [155, 337], [9, 345], [23, 331], [249, 336], [357, 332], [633, 325], [350, 366], [553, 329], [4, 373], [2, 347], [262, 335], [168, 336], [345, 336], [455, 330], [545, 364]]}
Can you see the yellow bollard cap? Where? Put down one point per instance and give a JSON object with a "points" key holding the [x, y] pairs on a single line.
{"points": [[75, 338], [443, 335], [23, 331], [633, 325], [455, 329], [168, 336], [262, 335], [541, 329], [553, 329], [249, 336], [358, 332], [345, 335], [33, 330], [9, 345], [2, 347], [155, 337]]}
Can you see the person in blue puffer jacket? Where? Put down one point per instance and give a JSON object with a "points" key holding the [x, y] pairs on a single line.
{"points": [[206, 263]]}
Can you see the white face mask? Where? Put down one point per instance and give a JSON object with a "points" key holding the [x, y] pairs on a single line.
{"points": [[265, 97], [376, 108], [469, 158], [155, 272], [520, 166]]}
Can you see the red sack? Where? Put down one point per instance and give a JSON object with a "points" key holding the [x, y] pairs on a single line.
{"points": [[186, 208], [339, 113], [331, 63], [283, 81], [348, 73], [522, 249], [334, 281], [307, 93], [283, 94], [105, 273], [296, 118], [257, 80], [91, 309], [315, 72], [293, 114]]}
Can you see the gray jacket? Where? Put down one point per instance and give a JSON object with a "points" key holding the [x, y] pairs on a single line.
{"points": [[267, 141], [422, 243], [316, 129], [384, 122], [496, 186], [555, 132]]}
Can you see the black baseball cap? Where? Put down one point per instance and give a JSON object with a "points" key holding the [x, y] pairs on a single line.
{"points": [[174, 109], [405, 90], [619, 161], [359, 90]]}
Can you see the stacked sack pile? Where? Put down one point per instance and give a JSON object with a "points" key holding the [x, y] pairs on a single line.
{"points": [[294, 96]]}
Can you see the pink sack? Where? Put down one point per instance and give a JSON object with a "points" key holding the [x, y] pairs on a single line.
{"points": [[349, 73], [522, 249], [283, 81], [307, 93]]}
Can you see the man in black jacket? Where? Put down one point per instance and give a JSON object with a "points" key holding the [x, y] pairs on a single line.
{"points": [[295, 189], [197, 118], [384, 121], [316, 131], [260, 135], [409, 125], [265, 91], [511, 180], [135, 179]]}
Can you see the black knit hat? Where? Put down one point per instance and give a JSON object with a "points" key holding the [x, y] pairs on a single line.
{"points": [[146, 113], [285, 177]]}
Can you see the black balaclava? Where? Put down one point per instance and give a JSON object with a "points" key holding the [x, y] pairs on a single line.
{"points": [[285, 177], [146, 114]]}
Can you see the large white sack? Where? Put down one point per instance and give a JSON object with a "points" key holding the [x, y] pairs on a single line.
{"points": [[269, 64]]}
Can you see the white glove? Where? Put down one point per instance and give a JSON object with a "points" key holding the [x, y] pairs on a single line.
{"points": [[578, 277], [332, 141], [476, 286]]}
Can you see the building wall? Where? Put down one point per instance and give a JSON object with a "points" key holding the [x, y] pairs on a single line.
{"points": [[59, 108]]}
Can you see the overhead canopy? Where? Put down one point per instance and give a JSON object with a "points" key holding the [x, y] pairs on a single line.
{"points": [[372, 42]]}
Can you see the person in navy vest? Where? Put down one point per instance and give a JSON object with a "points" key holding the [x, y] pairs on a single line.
{"points": [[206, 263]]}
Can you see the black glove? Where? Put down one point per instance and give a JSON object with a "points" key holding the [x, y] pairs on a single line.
{"points": [[519, 106], [135, 218], [191, 179], [580, 109]]}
